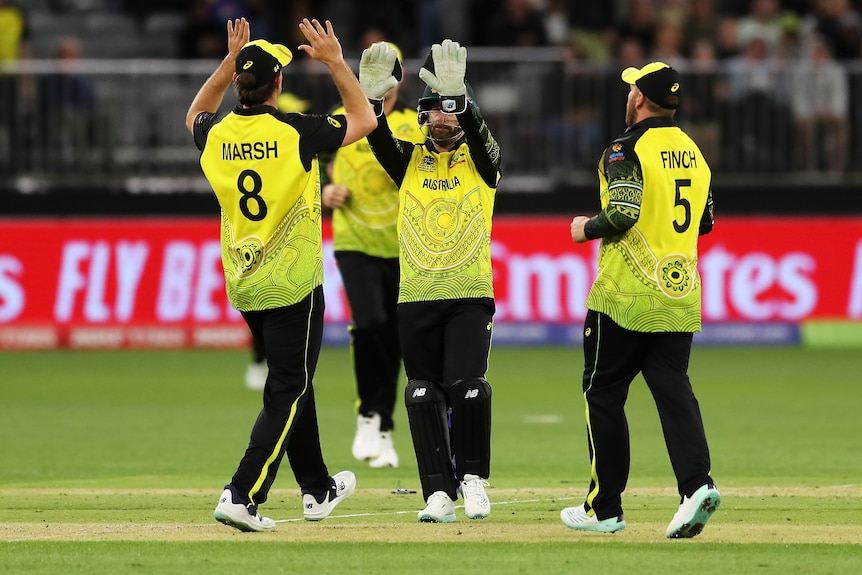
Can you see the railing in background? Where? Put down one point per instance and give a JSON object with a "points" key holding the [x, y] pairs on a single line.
{"points": [[119, 124]]}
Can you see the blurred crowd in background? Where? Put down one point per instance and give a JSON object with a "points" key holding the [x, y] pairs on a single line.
{"points": [[769, 83], [594, 31]]}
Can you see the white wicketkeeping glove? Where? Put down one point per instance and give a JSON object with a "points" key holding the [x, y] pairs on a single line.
{"points": [[446, 76], [376, 70]]}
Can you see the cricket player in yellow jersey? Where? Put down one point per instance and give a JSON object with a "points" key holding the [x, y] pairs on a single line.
{"points": [[446, 188], [364, 203], [644, 305], [262, 166]]}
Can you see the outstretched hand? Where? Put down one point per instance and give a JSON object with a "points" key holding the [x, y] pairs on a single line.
{"points": [[323, 45], [376, 68], [238, 34], [450, 67]]}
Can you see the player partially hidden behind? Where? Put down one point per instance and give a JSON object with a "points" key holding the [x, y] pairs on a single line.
{"points": [[446, 298], [644, 305], [262, 166], [364, 203]]}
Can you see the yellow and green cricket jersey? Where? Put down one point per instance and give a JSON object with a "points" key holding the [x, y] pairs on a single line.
{"points": [[366, 222], [444, 227], [262, 166], [647, 275]]}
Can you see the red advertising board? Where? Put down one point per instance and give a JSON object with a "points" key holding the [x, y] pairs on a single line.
{"points": [[157, 282]]}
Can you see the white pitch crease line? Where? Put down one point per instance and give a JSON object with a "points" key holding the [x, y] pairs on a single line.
{"points": [[515, 501]]}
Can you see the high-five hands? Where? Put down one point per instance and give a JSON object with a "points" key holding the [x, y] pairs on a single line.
{"points": [[377, 68], [444, 73]]}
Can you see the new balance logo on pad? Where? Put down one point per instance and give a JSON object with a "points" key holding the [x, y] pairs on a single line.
{"points": [[472, 394], [419, 392]]}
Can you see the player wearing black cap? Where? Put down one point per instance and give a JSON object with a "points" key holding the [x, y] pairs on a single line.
{"points": [[644, 305], [446, 297], [262, 166]]}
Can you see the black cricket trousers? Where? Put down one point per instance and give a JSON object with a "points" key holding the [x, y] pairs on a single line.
{"points": [[287, 423], [371, 286], [613, 356]]}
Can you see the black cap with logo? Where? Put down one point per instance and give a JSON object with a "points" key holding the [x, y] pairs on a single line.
{"points": [[657, 81]]}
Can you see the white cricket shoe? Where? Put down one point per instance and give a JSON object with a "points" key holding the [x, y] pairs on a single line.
{"points": [[476, 504], [440, 509], [344, 483], [387, 456], [255, 375], [694, 512], [577, 518], [241, 516], [366, 442]]}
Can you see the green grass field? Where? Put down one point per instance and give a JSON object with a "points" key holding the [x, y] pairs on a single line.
{"points": [[112, 462]]}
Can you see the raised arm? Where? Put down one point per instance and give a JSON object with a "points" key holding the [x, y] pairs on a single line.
{"points": [[324, 47], [209, 97]]}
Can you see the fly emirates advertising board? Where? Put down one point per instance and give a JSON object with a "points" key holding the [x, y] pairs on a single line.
{"points": [[158, 282]]}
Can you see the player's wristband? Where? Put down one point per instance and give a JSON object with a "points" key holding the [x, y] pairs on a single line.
{"points": [[377, 105], [453, 104]]}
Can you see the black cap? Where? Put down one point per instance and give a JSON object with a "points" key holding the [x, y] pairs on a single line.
{"points": [[262, 60], [657, 81]]}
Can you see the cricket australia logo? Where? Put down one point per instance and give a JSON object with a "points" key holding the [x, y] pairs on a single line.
{"points": [[458, 157]]}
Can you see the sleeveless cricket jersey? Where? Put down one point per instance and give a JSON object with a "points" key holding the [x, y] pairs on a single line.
{"points": [[262, 166], [647, 276], [366, 222], [444, 226]]}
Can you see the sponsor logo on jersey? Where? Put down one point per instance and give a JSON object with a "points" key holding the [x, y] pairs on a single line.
{"points": [[333, 122], [616, 154]]}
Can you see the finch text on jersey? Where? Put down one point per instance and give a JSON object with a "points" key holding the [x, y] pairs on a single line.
{"points": [[249, 150], [432, 184], [678, 159]]}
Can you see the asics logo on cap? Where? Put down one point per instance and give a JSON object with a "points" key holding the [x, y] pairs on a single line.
{"points": [[247, 65], [675, 87]]}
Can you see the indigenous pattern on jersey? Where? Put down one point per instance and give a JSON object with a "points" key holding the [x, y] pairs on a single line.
{"points": [[647, 278], [262, 166], [444, 228], [366, 222]]}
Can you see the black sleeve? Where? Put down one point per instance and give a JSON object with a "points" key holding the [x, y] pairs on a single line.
{"points": [[201, 128], [624, 175], [392, 153], [483, 147], [707, 219], [318, 134]]}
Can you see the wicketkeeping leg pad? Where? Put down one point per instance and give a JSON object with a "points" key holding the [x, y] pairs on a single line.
{"points": [[471, 426], [427, 414]]}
